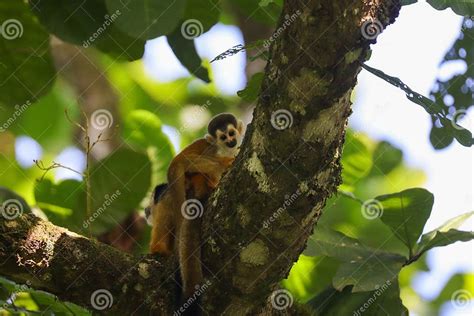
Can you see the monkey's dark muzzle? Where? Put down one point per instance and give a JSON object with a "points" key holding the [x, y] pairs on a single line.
{"points": [[232, 143]]}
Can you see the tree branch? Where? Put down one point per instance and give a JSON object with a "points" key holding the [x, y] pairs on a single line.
{"points": [[73, 267]]}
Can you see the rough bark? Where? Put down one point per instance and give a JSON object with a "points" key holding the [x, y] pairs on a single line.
{"points": [[257, 222]]}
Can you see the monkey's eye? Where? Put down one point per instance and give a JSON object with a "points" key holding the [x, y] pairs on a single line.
{"points": [[223, 137], [231, 133]]}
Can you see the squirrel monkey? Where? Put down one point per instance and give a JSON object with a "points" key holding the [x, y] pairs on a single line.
{"points": [[193, 173]]}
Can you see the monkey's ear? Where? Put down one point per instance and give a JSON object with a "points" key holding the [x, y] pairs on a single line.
{"points": [[210, 139], [240, 126]]}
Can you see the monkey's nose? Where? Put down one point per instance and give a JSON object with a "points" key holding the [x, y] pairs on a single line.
{"points": [[232, 143], [147, 212]]}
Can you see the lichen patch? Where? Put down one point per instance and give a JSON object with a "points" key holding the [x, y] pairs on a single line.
{"points": [[256, 253], [143, 270], [257, 171]]}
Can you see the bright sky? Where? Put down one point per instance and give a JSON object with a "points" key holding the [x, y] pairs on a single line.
{"points": [[410, 49]]}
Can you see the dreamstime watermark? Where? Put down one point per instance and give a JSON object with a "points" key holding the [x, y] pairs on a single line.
{"points": [[281, 299], [200, 289], [11, 29], [288, 20], [281, 119], [192, 28], [11, 209], [460, 299], [372, 209], [19, 110], [370, 29], [102, 299], [379, 290], [289, 200], [108, 201], [192, 209], [108, 20], [101, 119]]}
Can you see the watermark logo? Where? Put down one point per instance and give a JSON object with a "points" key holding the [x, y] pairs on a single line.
{"points": [[11, 29], [101, 119], [192, 209], [192, 28], [371, 209], [460, 299], [11, 209], [281, 299], [101, 299], [457, 116], [370, 29], [281, 119]]}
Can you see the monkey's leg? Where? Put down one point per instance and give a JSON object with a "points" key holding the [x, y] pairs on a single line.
{"points": [[199, 188], [162, 238]]}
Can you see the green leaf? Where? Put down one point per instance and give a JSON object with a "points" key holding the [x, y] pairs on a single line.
{"points": [[408, 2], [185, 51], [10, 199], [383, 301], [205, 13], [252, 90], [46, 301], [26, 68], [50, 302], [47, 114], [310, 275], [458, 89], [441, 137], [461, 7], [147, 19], [267, 13], [368, 274], [87, 23], [119, 183], [445, 235], [361, 266], [406, 213], [385, 158], [63, 203], [356, 161], [143, 129]]}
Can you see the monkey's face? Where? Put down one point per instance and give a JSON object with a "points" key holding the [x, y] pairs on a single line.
{"points": [[230, 137]]}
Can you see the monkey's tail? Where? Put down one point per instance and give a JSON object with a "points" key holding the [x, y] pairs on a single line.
{"points": [[190, 276]]}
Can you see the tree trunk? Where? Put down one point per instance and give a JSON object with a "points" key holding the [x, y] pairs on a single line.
{"points": [[257, 222]]}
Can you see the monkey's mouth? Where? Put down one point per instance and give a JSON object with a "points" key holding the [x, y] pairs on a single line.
{"points": [[232, 143]]}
